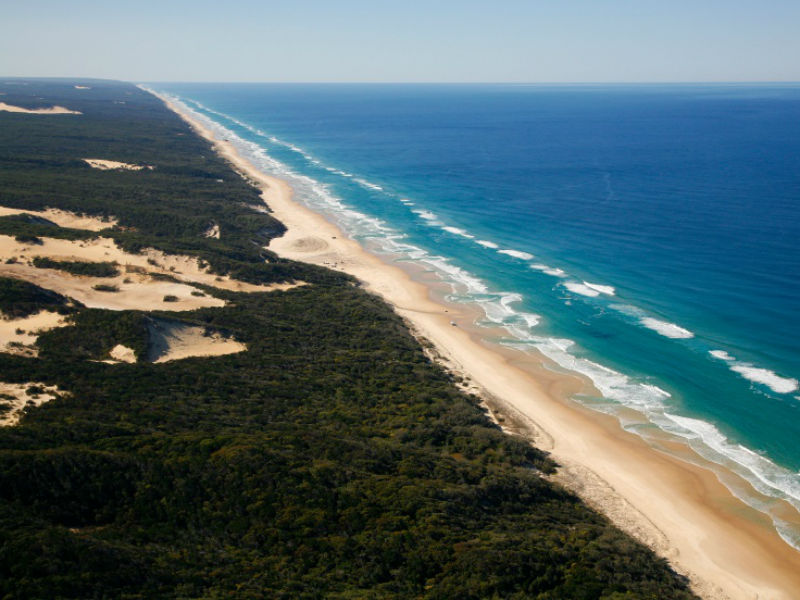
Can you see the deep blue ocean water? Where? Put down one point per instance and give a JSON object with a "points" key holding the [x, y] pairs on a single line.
{"points": [[647, 236]]}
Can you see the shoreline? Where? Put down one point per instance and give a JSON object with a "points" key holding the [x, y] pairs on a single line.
{"points": [[680, 510]]}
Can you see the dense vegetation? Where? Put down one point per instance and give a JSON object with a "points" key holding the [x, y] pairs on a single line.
{"points": [[78, 267], [331, 459], [25, 226], [94, 333], [20, 299]]}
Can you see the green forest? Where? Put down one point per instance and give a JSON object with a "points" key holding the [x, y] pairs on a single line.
{"points": [[331, 459]]}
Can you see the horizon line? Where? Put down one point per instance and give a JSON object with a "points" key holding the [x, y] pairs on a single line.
{"points": [[411, 82]]}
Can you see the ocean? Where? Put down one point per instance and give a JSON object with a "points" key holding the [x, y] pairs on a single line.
{"points": [[646, 236]]}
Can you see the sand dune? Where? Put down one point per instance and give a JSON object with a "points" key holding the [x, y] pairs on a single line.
{"points": [[171, 340], [174, 340], [18, 336], [120, 353], [109, 165], [212, 232], [64, 218], [139, 292], [52, 110], [186, 269], [138, 285], [14, 397]]}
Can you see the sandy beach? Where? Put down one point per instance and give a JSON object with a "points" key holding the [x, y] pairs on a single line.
{"points": [[727, 549]]}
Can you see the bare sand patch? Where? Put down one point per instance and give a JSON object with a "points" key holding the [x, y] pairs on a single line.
{"points": [[63, 218], [109, 165], [18, 336], [15, 397], [170, 340], [212, 232], [143, 283], [306, 245], [122, 353], [52, 110], [130, 291]]}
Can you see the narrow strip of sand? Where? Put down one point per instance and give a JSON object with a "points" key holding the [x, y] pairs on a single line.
{"points": [[726, 548], [50, 110]]}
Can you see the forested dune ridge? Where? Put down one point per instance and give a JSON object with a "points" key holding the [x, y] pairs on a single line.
{"points": [[330, 459]]}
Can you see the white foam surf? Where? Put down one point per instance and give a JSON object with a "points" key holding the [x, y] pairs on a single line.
{"points": [[517, 254], [663, 328], [580, 288], [623, 389], [487, 244], [459, 278], [531, 320], [781, 385], [497, 307], [499, 311], [549, 270], [368, 185], [760, 375], [425, 214], [280, 142], [603, 289], [763, 474], [458, 231], [670, 330]]}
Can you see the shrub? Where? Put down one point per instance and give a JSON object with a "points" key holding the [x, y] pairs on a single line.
{"points": [[91, 269], [25, 238]]}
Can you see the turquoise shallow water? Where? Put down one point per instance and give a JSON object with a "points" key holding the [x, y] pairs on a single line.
{"points": [[646, 236]]}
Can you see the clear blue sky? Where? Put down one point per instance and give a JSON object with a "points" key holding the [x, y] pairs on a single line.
{"points": [[396, 40]]}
